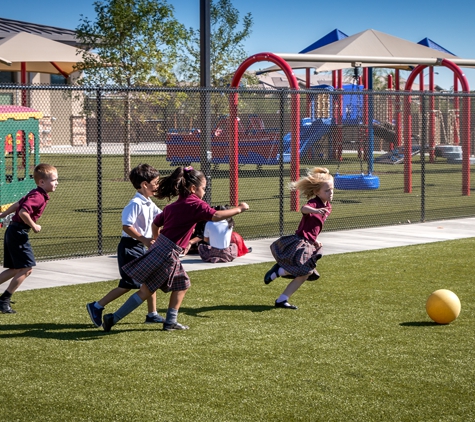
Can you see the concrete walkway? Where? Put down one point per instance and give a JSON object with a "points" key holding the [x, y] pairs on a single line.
{"points": [[101, 268]]}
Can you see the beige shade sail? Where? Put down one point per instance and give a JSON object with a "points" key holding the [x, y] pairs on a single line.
{"points": [[39, 54], [366, 43]]}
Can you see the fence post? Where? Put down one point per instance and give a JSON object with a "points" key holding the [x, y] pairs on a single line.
{"points": [[99, 170], [281, 163]]}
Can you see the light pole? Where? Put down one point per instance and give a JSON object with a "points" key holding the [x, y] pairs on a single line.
{"points": [[205, 83]]}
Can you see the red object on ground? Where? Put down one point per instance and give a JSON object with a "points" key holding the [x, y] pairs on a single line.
{"points": [[239, 241]]}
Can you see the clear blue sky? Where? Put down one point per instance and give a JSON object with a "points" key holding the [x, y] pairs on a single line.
{"points": [[290, 26]]}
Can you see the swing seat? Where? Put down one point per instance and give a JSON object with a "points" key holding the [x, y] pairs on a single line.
{"points": [[356, 181]]}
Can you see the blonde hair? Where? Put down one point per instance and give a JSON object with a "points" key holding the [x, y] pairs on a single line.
{"points": [[43, 171], [314, 180]]}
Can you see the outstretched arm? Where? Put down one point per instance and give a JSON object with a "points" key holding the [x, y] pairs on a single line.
{"points": [[11, 209], [223, 214], [307, 209]]}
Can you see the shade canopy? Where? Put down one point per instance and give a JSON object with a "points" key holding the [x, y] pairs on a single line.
{"points": [[39, 54], [432, 44], [332, 36], [367, 43]]}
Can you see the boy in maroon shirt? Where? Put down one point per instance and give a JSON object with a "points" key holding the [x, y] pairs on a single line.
{"points": [[18, 254]]}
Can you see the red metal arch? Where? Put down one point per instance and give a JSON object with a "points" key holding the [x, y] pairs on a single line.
{"points": [[295, 123], [465, 130]]}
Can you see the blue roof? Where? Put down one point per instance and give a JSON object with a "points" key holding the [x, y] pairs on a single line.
{"points": [[332, 36], [432, 44]]}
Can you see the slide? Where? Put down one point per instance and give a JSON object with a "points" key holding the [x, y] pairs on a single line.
{"points": [[310, 133], [385, 131]]}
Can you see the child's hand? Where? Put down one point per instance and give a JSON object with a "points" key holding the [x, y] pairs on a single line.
{"points": [[36, 228], [243, 206], [147, 242]]}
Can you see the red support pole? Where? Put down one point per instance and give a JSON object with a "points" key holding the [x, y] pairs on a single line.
{"points": [[431, 117], [389, 116], [23, 82], [59, 70], [466, 127], [407, 145], [364, 136], [233, 149], [398, 111], [408, 130], [465, 132], [456, 112], [339, 116], [295, 128]]}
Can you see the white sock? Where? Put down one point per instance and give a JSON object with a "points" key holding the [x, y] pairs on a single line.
{"points": [[281, 272], [273, 276], [97, 306], [151, 314], [282, 298]]}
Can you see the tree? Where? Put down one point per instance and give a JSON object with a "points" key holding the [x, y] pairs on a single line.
{"points": [[130, 43], [227, 52]]}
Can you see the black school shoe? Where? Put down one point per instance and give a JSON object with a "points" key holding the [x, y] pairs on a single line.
{"points": [[108, 322], [285, 305], [5, 307], [274, 269]]}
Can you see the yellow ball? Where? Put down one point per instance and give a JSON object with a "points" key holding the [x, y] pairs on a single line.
{"points": [[443, 306]]}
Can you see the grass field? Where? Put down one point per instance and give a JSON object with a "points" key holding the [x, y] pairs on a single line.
{"points": [[360, 348], [73, 226]]}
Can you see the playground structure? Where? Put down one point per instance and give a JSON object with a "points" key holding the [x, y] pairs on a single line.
{"points": [[257, 145], [280, 60], [19, 130], [396, 133], [260, 145]]}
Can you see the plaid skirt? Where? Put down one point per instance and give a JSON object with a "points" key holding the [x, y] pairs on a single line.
{"points": [[160, 268], [297, 256], [210, 254]]}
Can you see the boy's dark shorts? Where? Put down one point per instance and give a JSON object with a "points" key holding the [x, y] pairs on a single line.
{"points": [[127, 250], [17, 250]]}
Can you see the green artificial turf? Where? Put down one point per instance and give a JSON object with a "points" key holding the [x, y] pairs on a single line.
{"points": [[359, 348]]}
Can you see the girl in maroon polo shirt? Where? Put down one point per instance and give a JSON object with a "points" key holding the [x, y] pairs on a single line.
{"points": [[297, 254], [18, 254], [160, 268]]}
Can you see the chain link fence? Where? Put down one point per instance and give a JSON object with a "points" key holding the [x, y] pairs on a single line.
{"points": [[94, 136]]}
